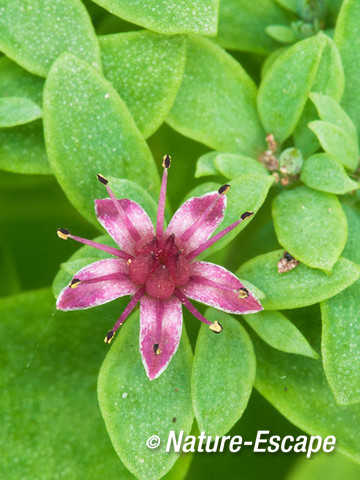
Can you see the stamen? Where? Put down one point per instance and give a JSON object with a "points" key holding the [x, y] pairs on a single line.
{"points": [[184, 300], [224, 189], [243, 293], [217, 237], [156, 349], [74, 283], [126, 220], [65, 234], [130, 306], [162, 198], [216, 327]]}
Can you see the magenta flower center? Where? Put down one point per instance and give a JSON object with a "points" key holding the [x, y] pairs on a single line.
{"points": [[159, 265]]}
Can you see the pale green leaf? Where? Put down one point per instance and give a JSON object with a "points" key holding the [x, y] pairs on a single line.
{"points": [[299, 287], [330, 110], [278, 332], [49, 392], [135, 408], [323, 465], [205, 165], [18, 82], [233, 165], [168, 16], [285, 87], [338, 142], [311, 226], [89, 130], [281, 33], [348, 41], [16, 111], [22, 149], [242, 24], [325, 173], [146, 70], [297, 387], [352, 250], [35, 33], [216, 101], [223, 374], [288, 4]]}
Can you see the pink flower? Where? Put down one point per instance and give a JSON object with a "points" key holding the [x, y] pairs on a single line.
{"points": [[159, 270]]}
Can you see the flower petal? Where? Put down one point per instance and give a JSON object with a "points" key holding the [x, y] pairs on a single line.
{"points": [[197, 219], [160, 332], [100, 282], [219, 288], [109, 218]]}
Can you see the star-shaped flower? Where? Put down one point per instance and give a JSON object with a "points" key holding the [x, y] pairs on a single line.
{"points": [[158, 269]]}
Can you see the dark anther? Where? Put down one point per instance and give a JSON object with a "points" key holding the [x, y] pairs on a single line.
{"points": [[243, 293], [246, 215], [224, 189], [74, 282], [62, 233], [166, 161], [102, 179], [216, 327], [109, 336], [156, 349]]}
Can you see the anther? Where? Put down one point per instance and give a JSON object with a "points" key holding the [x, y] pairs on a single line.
{"points": [[102, 179], [216, 327], [63, 233], [246, 215], [156, 349], [243, 292], [166, 161], [109, 336], [129, 262], [224, 189], [75, 283]]}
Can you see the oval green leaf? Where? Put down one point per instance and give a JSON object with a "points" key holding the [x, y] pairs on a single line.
{"points": [[311, 226], [146, 70], [22, 149], [251, 19], [205, 165], [89, 130], [224, 116], [301, 286], [223, 374], [297, 387], [281, 33], [285, 87], [336, 141], [348, 41], [341, 344], [278, 332], [47, 29], [325, 173], [234, 166], [17, 111], [135, 408], [168, 16]]}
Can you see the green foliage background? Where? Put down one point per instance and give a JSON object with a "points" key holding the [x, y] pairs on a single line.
{"points": [[111, 87]]}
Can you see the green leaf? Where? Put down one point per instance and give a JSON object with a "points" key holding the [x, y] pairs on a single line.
{"points": [[216, 101], [311, 226], [251, 19], [348, 42], [17, 82], [288, 4], [352, 250], [35, 34], [281, 33], [88, 130], [325, 173], [146, 70], [327, 466], [17, 111], [297, 387], [168, 16], [233, 166], [278, 332], [135, 408], [247, 193], [341, 344], [223, 374], [336, 141], [205, 165], [301, 286], [285, 87], [330, 111], [50, 386], [330, 81], [22, 149]]}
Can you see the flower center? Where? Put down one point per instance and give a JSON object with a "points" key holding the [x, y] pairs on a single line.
{"points": [[159, 265]]}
